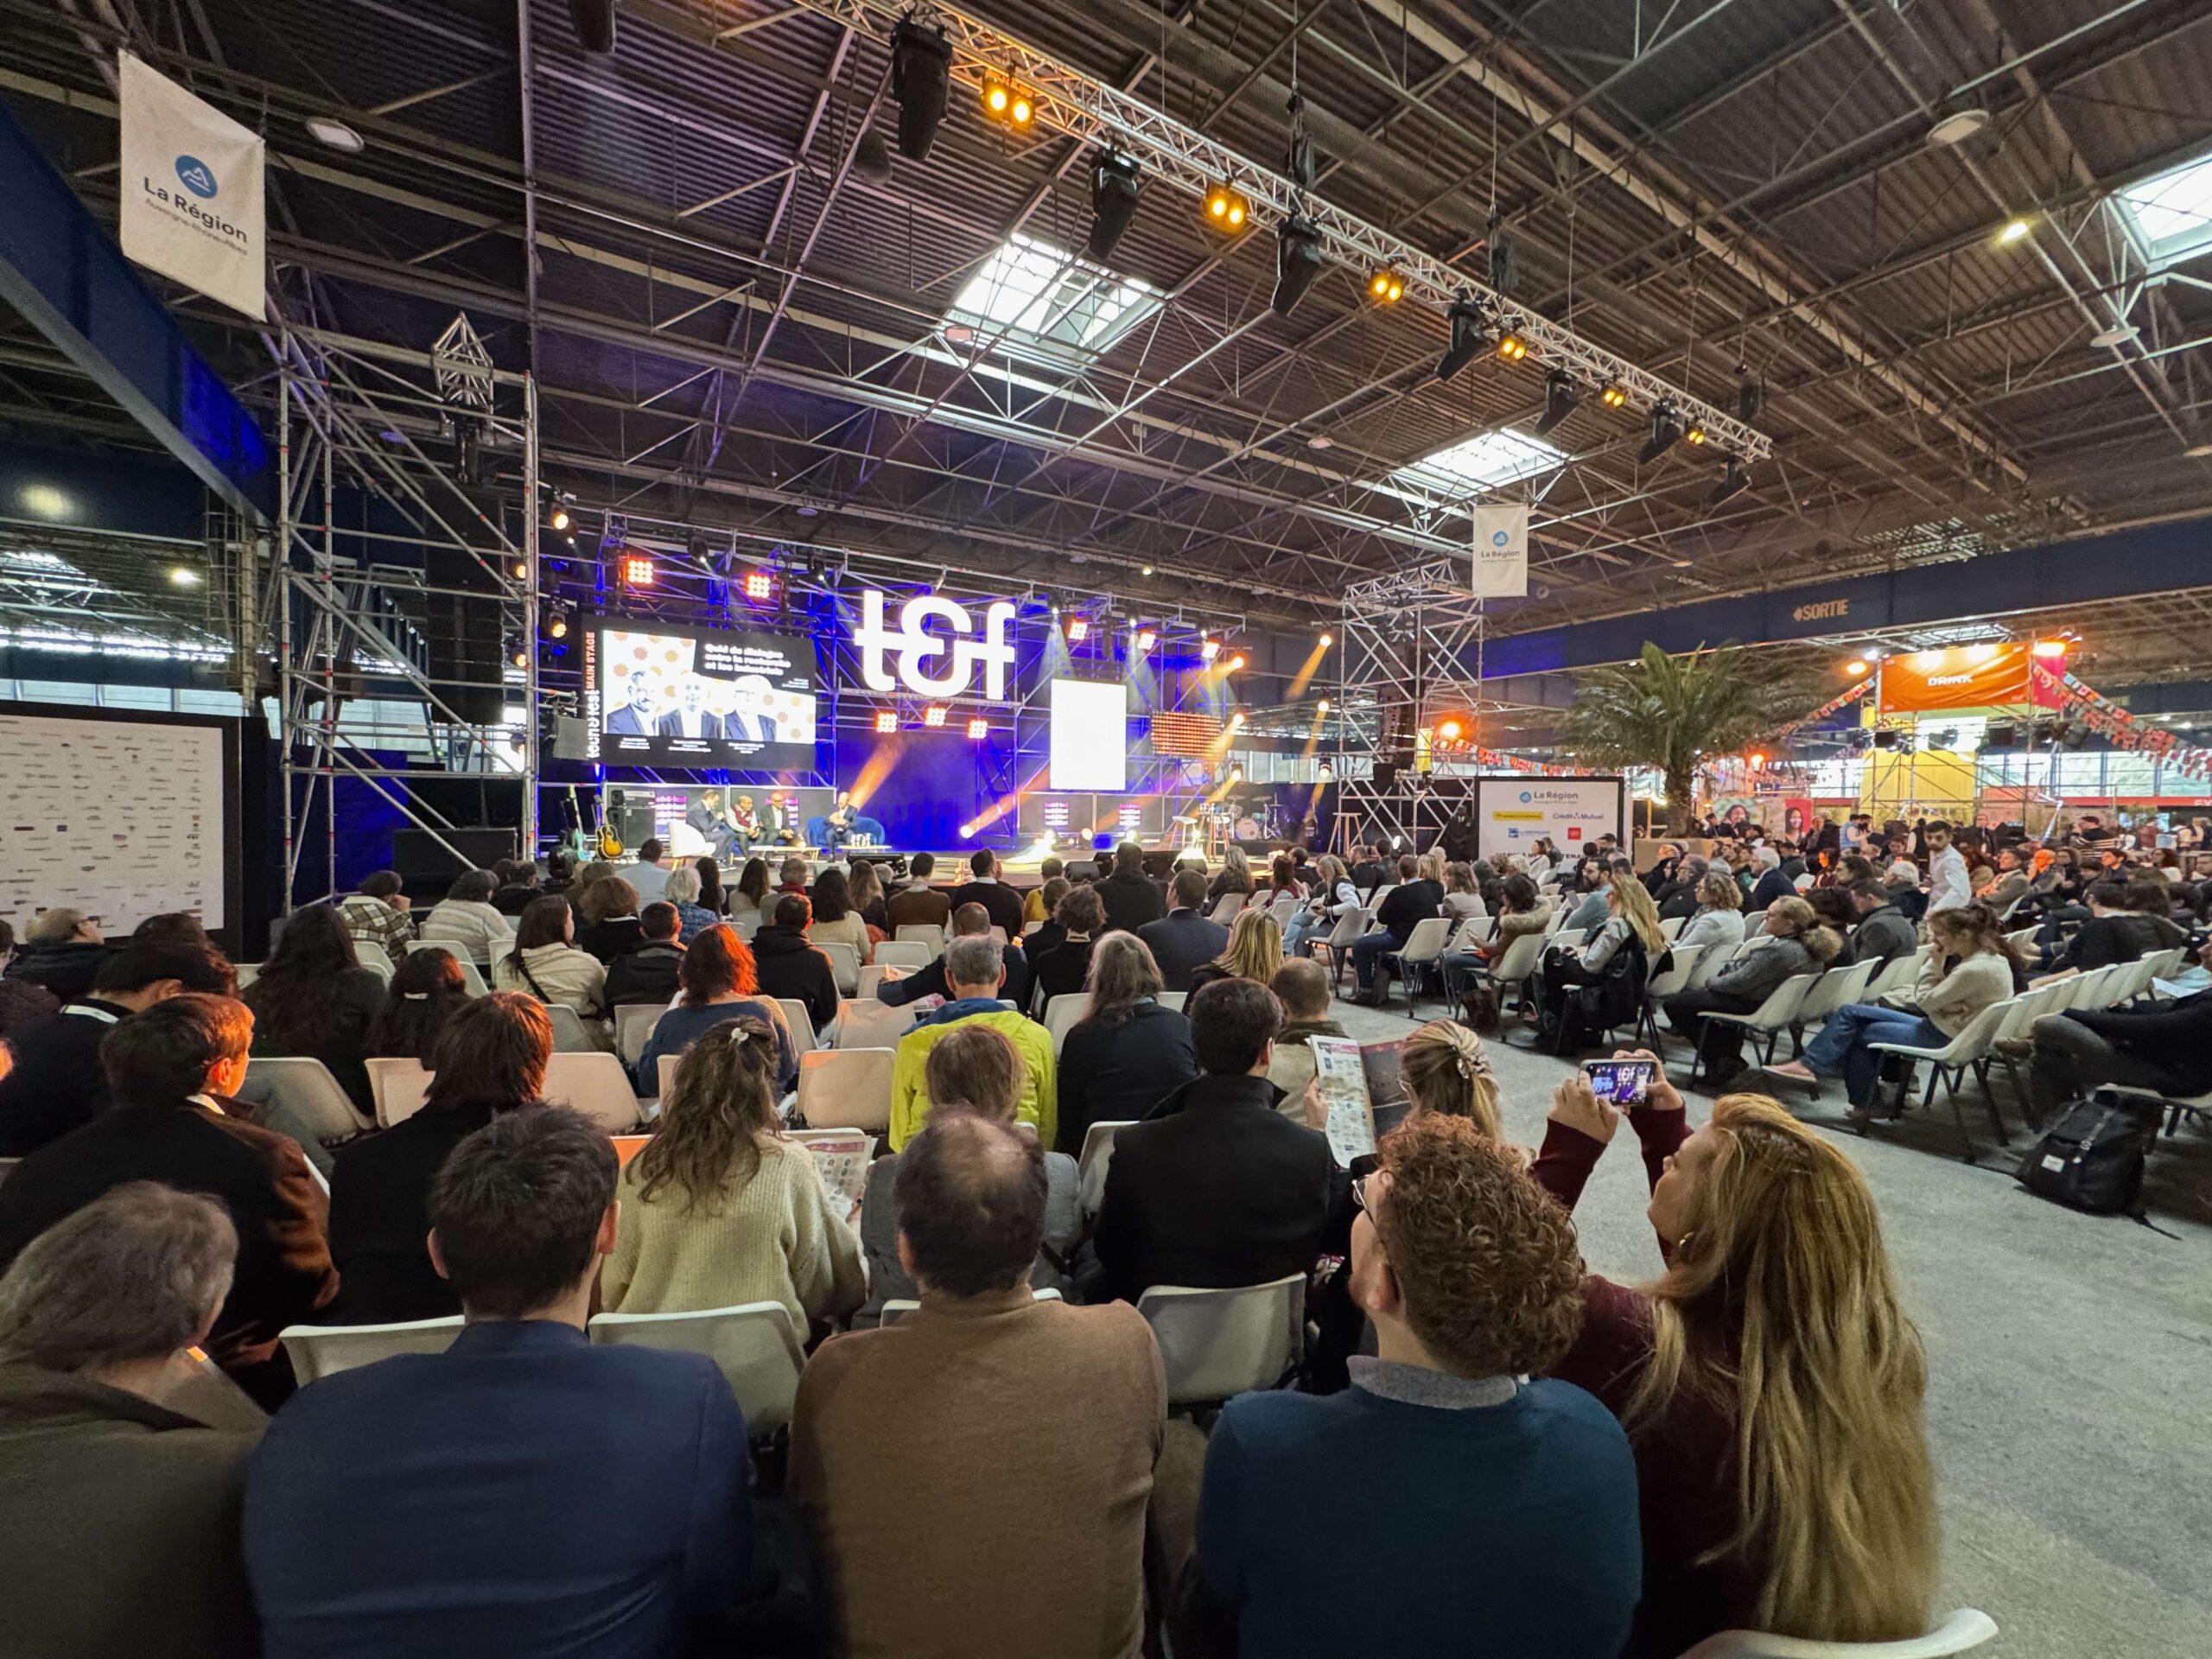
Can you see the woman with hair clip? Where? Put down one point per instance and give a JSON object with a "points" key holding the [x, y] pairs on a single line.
{"points": [[425, 992], [1254, 952], [545, 962], [313, 998], [720, 1208], [1128, 1052], [1446, 1071], [1769, 1381]]}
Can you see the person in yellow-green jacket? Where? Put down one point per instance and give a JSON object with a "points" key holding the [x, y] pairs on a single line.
{"points": [[975, 968]]}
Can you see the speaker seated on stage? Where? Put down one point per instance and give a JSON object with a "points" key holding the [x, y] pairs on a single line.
{"points": [[986, 885], [969, 921], [916, 903]]}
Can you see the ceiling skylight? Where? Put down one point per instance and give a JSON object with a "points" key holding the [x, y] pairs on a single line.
{"points": [[1047, 299], [1481, 463], [2172, 214]]}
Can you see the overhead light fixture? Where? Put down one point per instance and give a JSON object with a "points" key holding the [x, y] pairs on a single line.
{"points": [[1237, 720], [1322, 707], [1226, 208], [1511, 347], [334, 134], [978, 730], [1613, 397], [1079, 629], [183, 576], [1298, 263], [1734, 481], [1957, 127], [635, 571], [522, 570], [1328, 639], [1560, 398], [759, 586], [1208, 650], [872, 158], [558, 628], [1696, 434], [934, 714], [886, 721], [519, 657], [1114, 188], [1236, 663], [1470, 327], [2048, 648], [1004, 102], [2119, 335], [594, 22], [1320, 441], [1666, 432], [2199, 451], [1145, 571], [1449, 730], [1387, 287], [921, 74], [1146, 640], [2014, 230], [1857, 668], [561, 520]]}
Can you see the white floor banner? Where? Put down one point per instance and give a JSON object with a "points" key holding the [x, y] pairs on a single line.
{"points": [[191, 191]]}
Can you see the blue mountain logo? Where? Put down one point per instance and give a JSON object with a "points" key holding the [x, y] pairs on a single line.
{"points": [[1499, 539], [196, 176]]}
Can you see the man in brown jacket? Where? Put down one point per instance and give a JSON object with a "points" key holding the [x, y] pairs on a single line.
{"points": [[976, 1475], [918, 904]]}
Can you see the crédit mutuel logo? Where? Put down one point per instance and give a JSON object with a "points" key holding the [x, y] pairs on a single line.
{"points": [[914, 646], [199, 185]]}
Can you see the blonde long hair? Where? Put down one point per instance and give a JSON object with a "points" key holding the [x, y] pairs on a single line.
{"points": [[1447, 1071], [1636, 907], [1255, 946], [1835, 1489]]}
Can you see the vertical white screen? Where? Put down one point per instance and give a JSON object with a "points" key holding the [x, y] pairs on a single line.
{"points": [[1090, 734]]}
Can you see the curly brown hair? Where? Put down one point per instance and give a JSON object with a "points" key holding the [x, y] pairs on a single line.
{"points": [[1485, 1259]]}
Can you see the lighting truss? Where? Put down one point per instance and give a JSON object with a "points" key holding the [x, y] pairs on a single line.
{"points": [[1074, 103]]}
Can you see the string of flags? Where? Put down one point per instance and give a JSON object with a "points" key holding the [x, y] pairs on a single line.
{"points": [[1842, 700], [2117, 726]]}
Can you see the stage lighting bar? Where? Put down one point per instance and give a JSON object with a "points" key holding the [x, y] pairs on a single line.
{"points": [[1560, 397], [1079, 629], [1076, 106], [978, 730], [886, 721], [921, 64], [1208, 650], [759, 586], [635, 570], [933, 717], [1387, 287], [1114, 189], [1470, 327], [1146, 640], [1008, 104]]}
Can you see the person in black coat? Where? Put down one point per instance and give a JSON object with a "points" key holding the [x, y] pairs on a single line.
{"points": [[490, 1059], [608, 910], [315, 999], [648, 974], [61, 951], [2122, 927], [1128, 894], [969, 921], [787, 964], [1413, 901], [1184, 939], [57, 1084], [1065, 968], [1677, 895], [1216, 1187], [986, 885], [171, 1071], [1129, 1053], [1772, 883]]}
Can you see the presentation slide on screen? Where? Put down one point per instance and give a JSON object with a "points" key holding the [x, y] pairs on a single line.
{"points": [[1090, 734], [1512, 814], [658, 695]]}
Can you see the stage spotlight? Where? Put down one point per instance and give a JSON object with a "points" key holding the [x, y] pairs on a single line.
{"points": [[1734, 481], [1560, 397], [1666, 432], [1511, 347], [636, 570], [2014, 230], [1237, 720], [1328, 639], [967, 830], [886, 721], [1236, 774], [594, 22], [522, 570], [1756, 757], [759, 586], [183, 576], [1236, 662], [1387, 287], [1226, 208], [1470, 329], [558, 628], [1006, 103], [1112, 201], [1079, 629], [1146, 640], [934, 714], [1145, 571], [1322, 707], [2048, 649], [1298, 263], [1208, 650], [1449, 731], [1696, 434], [520, 656], [1613, 397], [1857, 668], [560, 520], [921, 68]]}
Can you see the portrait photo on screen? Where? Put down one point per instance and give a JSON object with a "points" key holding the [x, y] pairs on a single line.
{"points": [[1090, 735], [662, 694]]}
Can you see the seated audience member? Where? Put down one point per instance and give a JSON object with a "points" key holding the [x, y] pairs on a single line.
{"points": [[1035, 906], [787, 964], [1664, 869], [986, 885], [1235, 876], [867, 886], [1457, 1480], [649, 973], [720, 1208], [490, 1059], [1589, 910], [750, 897], [57, 1084], [648, 877], [682, 892], [1301, 985], [607, 911], [426, 990], [1127, 1053], [1447, 1073], [1716, 927], [1184, 938], [1463, 898], [544, 960], [835, 920], [62, 949], [1412, 901], [375, 914], [1283, 882], [976, 1069], [968, 922], [1883, 934], [1615, 964], [1771, 884], [1796, 943], [1253, 952], [918, 904], [465, 921], [1333, 897], [791, 876], [2126, 922], [1521, 909], [1767, 1369], [2166, 1046], [719, 980], [974, 974], [1127, 895], [711, 897], [313, 998], [1045, 1423], [171, 1072], [1048, 933], [1216, 1187], [23, 1003], [1971, 968], [518, 886], [525, 1492], [1063, 969], [120, 1514], [2009, 884]]}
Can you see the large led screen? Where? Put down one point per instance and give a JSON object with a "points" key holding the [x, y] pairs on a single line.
{"points": [[661, 694]]}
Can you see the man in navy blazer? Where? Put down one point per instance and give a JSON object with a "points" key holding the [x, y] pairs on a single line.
{"points": [[524, 1492]]}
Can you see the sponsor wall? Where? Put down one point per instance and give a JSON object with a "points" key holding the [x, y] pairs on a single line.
{"points": [[1512, 814]]}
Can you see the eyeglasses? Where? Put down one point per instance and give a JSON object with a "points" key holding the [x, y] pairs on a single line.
{"points": [[1359, 1191]]}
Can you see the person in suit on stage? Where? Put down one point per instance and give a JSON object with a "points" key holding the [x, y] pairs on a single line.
{"points": [[781, 821], [710, 817], [694, 719], [745, 723], [638, 717], [838, 826]]}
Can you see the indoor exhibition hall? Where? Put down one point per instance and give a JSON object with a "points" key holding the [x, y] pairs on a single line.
{"points": [[1141, 828]]}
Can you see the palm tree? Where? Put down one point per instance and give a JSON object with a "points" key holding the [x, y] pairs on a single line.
{"points": [[1664, 711]]}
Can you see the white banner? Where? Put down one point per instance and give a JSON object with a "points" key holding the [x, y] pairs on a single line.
{"points": [[1501, 552], [1512, 814], [191, 191]]}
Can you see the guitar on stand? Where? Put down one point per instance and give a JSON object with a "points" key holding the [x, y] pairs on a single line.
{"points": [[600, 840]]}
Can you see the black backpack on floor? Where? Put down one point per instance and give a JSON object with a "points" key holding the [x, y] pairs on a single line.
{"points": [[2092, 1157]]}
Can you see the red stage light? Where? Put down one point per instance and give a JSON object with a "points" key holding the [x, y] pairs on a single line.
{"points": [[934, 714], [886, 722], [978, 730], [636, 569], [759, 585]]}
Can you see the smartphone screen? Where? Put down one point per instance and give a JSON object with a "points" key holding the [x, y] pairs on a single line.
{"points": [[1625, 1082]]}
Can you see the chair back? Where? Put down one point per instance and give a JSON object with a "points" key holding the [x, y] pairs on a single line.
{"points": [[634, 1028], [1979, 1032], [247, 972], [1375, 900], [1471, 931], [870, 1023], [1681, 962], [320, 1351], [1897, 975], [925, 933], [1351, 926], [1097, 1157], [370, 956], [2089, 989], [7, 1163], [845, 963], [801, 1024], [398, 1087], [899, 1306], [2021, 937], [1426, 942], [1519, 959], [1836, 988], [472, 977], [905, 953], [1710, 959], [1671, 929], [744, 925], [570, 1036], [1061, 1013], [1216, 1344], [847, 1088], [1961, 1632], [596, 1085], [1174, 1000], [753, 1343], [1225, 907], [304, 1087], [1783, 1002]]}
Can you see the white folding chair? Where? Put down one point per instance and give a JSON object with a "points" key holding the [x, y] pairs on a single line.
{"points": [[596, 1085], [1511, 965], [866, 1023], [1710, 960], [1215, 1344], [746, 925], [1062, 1012], [802, 1038], [844, 965], [1767, 1020], [925, 933], [847, 1088], [2018, 1028], [472, 977], [1671, 929], [899, 1306], [2089, 989], [1681, 962], [370, 956], [1961, 1632], [1950, 1062], [320, 1351], [753, 1343], [1352, 926], [2020, 937], [634, 1028], [1375, 900], [1837, 988], [399, 1086], [1172, 999], [1424, 946], [1097, 1157], [1027, 928], [247, 972], [570, 1036], [905, 953], [1226, 908], [302, 1086], [1899, 973]]}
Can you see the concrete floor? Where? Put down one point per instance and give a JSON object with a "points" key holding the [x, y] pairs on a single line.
{"points": [[2069, 1403]]}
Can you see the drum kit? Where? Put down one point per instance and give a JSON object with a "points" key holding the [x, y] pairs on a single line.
{"points": [[1220, 824]]}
